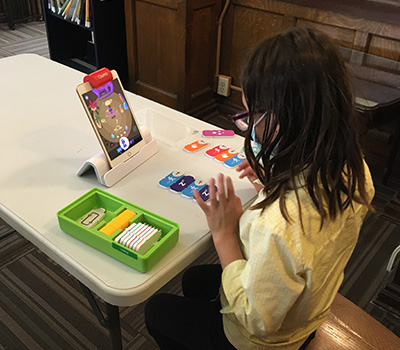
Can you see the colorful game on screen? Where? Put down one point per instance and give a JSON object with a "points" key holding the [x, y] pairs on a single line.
{"points": [[113, 118]]}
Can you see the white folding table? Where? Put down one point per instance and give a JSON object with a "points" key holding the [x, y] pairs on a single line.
{"points": [[46, 137]]}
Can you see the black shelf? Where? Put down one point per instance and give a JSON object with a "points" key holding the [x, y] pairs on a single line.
{"points": [[56, 15], [88, 49]]}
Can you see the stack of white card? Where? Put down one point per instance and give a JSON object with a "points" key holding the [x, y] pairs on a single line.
{"points": [[139, 237]]}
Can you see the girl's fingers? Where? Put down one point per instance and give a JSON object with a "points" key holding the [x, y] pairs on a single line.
{"points": [[230, 188], [221, 187], [225, 192], [243, 173], [203, 205], [213, 194], [242, 165]]}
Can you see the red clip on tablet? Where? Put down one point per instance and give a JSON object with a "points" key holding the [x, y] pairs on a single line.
{"points": [[98, 78]]}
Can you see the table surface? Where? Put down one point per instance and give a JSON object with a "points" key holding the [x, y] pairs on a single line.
{"points": [[46, 137]]}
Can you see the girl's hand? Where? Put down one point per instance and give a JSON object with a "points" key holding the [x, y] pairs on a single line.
{"points": [[223, 214], [247, 171]]}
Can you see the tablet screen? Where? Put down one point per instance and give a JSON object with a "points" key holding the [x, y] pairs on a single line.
{"points": [[113, 118]]}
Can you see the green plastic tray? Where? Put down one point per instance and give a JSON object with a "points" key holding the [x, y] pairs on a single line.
{"points": [[96, 198]]}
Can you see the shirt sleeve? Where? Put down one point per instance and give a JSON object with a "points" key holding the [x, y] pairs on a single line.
{"points": [[260, 291]]}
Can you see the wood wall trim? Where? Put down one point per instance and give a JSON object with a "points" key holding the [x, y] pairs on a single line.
{"points": [[324, 16], [361, 40], [172, 4], [382, 11]]}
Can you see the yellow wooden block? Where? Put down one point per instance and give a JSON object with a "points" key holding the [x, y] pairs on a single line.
{"points": [[120, 222]]}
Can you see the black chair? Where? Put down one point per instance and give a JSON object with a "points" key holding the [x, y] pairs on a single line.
{"points": [[375, 81]]}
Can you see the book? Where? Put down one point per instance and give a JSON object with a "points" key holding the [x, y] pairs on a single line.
{"points": [[87, 14], [76, 14], [81, 17], [75, 7], [66, 11], [57, 5], [62, 9]]}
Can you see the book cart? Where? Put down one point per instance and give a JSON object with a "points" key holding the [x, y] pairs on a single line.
{"points": [[87, 34]]}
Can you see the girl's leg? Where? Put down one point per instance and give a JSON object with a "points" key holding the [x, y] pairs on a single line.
{"points": [[192, 322], [184, 323], [202, 282]]}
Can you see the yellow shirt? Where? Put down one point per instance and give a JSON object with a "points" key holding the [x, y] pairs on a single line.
{"points": [[283, 289]]}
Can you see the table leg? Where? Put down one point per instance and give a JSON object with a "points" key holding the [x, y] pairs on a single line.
{"points": [[114, 326], [111, 322], [394, 149]]}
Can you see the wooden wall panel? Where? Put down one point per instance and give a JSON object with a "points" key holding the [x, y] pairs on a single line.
{"points": [[247, 27], [171, 50], [172, 43], [157, 35], [202, 47], [201, 41], [157, 51], [384, 47], [248, 22], [342, 36]]}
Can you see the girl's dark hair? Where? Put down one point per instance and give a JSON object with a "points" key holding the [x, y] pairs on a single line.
{"points": [[299, 79]]}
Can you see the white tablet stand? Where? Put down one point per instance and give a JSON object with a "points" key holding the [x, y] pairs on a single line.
{"points": [[108, 176]]}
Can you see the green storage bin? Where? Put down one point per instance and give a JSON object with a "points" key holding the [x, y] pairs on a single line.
{"points": [[68, 219]]}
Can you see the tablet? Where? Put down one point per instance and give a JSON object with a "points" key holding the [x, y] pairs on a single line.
{"points": [[112, 119]]}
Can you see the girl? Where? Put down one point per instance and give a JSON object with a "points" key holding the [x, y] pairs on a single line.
{"points": [[282, 260]]}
